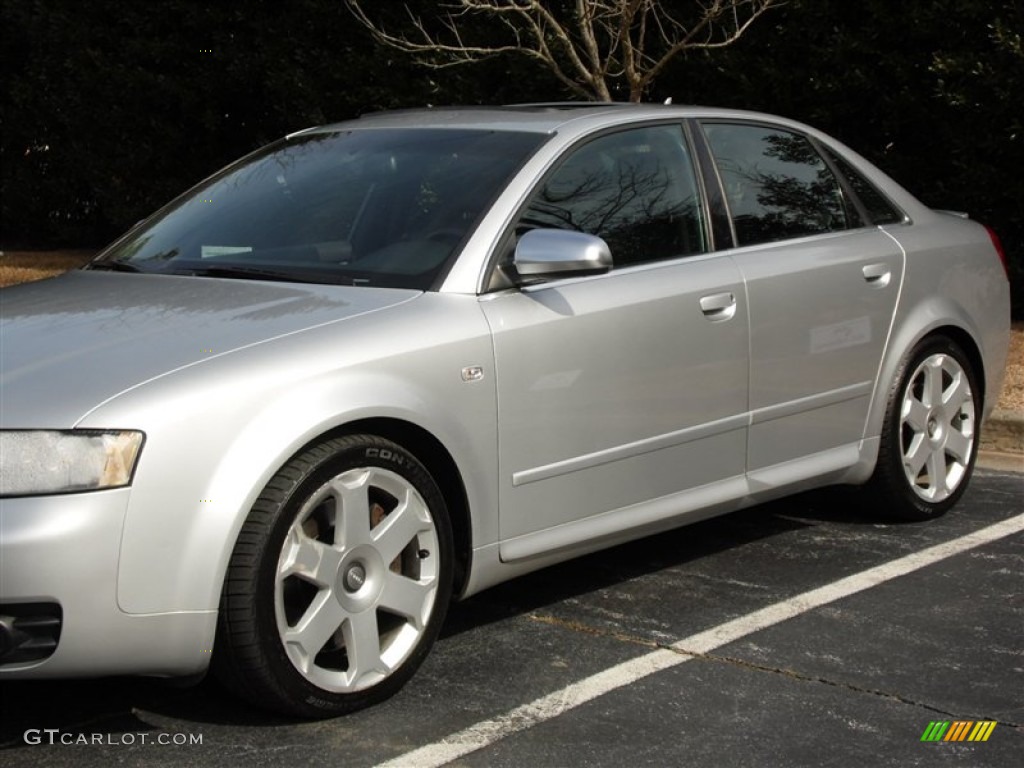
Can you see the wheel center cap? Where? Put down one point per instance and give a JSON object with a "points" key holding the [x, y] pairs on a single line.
{"points": [[355, 577], [360, 579], [935, 428]]}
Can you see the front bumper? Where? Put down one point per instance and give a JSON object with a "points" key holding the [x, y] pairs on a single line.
{"points": [[62, 552]]}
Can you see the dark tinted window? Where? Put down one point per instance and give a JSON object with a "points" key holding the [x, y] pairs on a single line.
{"points": [[636, 189], [372, 207], [880, 210], [776, 184]]}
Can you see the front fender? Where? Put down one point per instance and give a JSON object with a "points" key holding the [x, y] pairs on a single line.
{"points": [[213, 443]]}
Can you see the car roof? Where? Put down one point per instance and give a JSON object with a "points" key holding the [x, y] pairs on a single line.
{"points": [[533, 118]]}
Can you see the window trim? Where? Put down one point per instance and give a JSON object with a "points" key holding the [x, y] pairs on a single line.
{"points": [[711, 179], [849, 197]]}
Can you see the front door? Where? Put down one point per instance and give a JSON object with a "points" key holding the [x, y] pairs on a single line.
{"points": [[617, 392]]}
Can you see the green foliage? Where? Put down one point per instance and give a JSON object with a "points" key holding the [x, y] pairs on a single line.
{"points": [[929, 90]]}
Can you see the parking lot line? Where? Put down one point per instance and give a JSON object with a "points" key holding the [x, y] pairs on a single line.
{"points": [[521, 718]]}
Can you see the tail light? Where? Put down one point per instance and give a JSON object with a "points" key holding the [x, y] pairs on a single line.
{"points": [[999, 249]]}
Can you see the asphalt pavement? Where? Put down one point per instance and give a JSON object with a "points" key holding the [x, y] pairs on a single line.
{"points": [[803, 632]]}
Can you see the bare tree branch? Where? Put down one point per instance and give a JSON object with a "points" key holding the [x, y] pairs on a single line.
{"points": [[589, 45]]}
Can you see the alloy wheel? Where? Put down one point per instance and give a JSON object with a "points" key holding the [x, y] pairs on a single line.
{"points": [[937, 427], [357, 579]]}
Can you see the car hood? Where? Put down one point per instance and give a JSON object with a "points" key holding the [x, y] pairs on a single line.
{"points": [[72, 342]]}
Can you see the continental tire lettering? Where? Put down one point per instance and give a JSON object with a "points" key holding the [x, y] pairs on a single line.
{"points": [[386, 454]]}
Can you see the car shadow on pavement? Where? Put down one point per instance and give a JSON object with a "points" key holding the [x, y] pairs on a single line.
{"points": [[117, 706], [655, 553], [114, 705]]}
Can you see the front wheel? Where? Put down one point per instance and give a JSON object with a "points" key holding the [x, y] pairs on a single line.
{"points": [[929, 440], [339, 580]]}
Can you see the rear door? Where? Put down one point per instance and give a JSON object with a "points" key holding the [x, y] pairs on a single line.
{"points": [[617, 392], [822, 288]]}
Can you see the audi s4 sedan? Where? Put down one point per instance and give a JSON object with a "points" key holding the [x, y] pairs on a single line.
{"points": [[380, 365]]}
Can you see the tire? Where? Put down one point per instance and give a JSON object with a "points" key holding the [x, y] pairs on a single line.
{"points": [[338, 583], [929, 440]]}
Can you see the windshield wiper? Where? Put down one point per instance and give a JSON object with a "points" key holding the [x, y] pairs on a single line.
{"points": [[260, 273], [113, 266]]}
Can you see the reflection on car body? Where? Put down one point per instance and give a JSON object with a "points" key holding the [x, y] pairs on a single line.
{"points": [[383, 364]]}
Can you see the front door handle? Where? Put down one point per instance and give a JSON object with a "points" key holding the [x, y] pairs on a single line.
{"points": [[877, 275], [718, 306]]}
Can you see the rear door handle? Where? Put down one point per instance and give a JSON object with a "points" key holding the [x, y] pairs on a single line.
{"points": [[877, 275], [718, 306]]}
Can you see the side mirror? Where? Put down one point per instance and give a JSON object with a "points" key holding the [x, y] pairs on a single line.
{"points": [[549, 253]]}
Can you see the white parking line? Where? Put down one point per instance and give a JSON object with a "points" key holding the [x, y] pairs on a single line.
{"points": [[488, 732]]}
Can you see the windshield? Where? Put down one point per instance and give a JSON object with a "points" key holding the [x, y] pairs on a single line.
{"points": [[363, 207]]}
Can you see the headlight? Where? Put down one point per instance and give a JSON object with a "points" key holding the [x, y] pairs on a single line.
{"points": [[43, 461]]}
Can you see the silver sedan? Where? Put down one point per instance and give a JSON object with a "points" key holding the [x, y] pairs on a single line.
{"points": [[375, 366]]}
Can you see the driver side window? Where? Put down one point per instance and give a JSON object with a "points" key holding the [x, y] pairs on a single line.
{"points": [[635, 189]]}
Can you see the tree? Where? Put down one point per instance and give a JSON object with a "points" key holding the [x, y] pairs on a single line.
{"points": [[593, 47]]}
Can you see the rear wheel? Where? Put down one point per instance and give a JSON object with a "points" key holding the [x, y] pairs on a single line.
{"points": [[339, 580], [929, 441]]}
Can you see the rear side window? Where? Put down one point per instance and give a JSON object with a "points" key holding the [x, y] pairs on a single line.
{"points": [[776, 184], [880, 210], [636, 189]]}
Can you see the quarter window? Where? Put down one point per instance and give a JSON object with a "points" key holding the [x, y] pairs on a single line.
{"points": [[776, 184], [880, 210], [636, 189]]}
